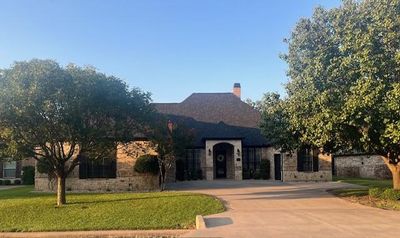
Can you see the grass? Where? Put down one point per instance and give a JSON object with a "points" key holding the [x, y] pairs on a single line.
{"points": [[24, 210], [370, 183], [360, 195]]}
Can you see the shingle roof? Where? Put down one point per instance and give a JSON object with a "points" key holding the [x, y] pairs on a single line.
{"points": [[213, 108], [217, 116]]}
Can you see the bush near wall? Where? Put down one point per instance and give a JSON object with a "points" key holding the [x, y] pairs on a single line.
{"points": [[262, 173], [387, 194], [28, 175], [265, 169], [147, 164]]}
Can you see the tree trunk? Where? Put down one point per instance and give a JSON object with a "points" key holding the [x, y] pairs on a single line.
{"points": [[394, 169], [163, 180], [61, 200], [396, 177]]}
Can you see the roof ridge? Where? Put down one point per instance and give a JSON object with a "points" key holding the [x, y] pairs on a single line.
{"points": [[213, 93]]}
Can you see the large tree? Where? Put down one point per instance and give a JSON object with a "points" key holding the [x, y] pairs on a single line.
{"points": [[57, 114], [344, 88]]}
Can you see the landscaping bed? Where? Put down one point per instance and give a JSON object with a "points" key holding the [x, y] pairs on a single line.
{"points": [[23, 210], [376, 193]]}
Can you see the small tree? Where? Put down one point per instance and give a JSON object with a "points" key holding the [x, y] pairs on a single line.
{"points": [[55, 114], [170, 140]]}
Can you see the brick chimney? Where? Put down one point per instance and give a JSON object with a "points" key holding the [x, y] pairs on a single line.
{"points": [[236, 90]]}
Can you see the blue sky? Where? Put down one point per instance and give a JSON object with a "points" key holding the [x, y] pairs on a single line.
{"points": [[168, 47]]}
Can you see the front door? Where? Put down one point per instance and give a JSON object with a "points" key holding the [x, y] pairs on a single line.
{"points": [[277, 165], [220, 163]]}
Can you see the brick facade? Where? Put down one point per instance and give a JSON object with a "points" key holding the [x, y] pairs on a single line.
{"points": [[126, 178], [290, 173]]}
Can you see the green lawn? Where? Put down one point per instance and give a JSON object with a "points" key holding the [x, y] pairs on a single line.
{"points": [[360, 195], [23, 210], [368, 183]]}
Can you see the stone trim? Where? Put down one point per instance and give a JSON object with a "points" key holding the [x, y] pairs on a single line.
{"points": [[237, 159]]}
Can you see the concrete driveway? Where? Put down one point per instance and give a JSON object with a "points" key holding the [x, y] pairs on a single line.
{"points": [[275, 209]]}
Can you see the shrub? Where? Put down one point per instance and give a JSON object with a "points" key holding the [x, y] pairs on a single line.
{"points": [[17, 182], [375, 192], [28, 175], [147, 164], [43, 166], [265, 169], [257, 175], [391, 194], [1, 182], [246, 174], [7, 182]]}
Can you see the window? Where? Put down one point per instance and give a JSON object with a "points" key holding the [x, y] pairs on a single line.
{"points": [[192, 160], [307, 160], [9, 169], [251, 157], [189, 167], [100, 168]]}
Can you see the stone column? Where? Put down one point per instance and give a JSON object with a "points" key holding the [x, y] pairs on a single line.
{"points": [[209, 161], [237, 159]]}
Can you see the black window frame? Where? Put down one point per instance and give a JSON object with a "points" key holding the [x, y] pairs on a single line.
{"points": [[97, 168], [189, 165], [251, 158], [307, 160]]}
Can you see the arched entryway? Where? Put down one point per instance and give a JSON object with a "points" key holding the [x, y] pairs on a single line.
{"points": [[223, 161]]}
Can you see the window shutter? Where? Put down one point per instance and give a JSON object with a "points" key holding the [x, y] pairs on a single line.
{"points": [[315, 161], [300, 161], [82, 167], [18, 169], [113, 169]]}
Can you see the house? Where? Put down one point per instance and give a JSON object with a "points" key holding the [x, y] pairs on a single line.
{"points": [[228, 144]]}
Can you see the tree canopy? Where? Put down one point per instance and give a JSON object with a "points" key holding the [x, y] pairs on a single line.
{"points": [[53, 113], [344, 87]]}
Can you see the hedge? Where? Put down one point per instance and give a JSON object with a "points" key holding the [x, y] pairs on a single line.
{"points": [[28, 175], [147, 164]]}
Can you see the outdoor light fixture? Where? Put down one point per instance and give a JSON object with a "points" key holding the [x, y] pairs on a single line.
{"points": [[209, 151], [238, 152]]}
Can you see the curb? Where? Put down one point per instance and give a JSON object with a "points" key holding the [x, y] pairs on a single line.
{"points": [[200, 223], [97, 234]]}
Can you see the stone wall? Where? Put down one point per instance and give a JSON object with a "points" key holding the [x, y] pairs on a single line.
{"points": [[361, 166], [126, 178], [290, 173], [131, 183]]}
